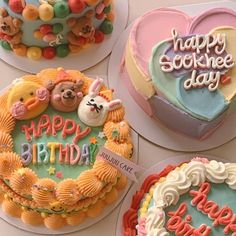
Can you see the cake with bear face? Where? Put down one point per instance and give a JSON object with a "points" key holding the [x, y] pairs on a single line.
{"points": [[194, 198], [180, 69], [52, 126], [49, 28]]}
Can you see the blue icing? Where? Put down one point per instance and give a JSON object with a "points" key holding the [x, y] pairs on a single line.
{"points": [[201, 101], [219, 193]]}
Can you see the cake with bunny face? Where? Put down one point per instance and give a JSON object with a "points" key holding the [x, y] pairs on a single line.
{"points": [[50, 28], [194, 198], [180, 69], [51, 130]]}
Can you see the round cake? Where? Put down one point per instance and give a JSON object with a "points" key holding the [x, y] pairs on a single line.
{"points": [[195, 198], [49, 28], [180, 69], [52, 126]]}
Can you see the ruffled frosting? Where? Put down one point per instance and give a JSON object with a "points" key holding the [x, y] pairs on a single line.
{"points": [[231, 179], [6, 142], [54, 222], [32, 218], [22, 180], [9, 162], [43, 192], [88, 184], [168, 192], [116, 115], [104, 171], [67, 192], [117, 131], [122, 149], [7, 122], [155, 222], [216, 172], [196, 172]]}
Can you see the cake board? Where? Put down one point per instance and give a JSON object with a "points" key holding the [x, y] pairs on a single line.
{"points": [[175, 160], [155, 131], [16, 222], [85, 58]]}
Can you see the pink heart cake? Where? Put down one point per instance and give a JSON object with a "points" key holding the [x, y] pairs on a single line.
{"points": [[181, 69]]}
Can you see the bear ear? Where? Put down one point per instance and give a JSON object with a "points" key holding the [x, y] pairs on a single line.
{"points": [[79, 83], [17, 23], [50, 85], [3, 12], [71, 22]]}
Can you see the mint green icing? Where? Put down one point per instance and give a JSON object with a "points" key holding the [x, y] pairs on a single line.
{"points": [[200, 103], [68, 171], [220, 193]]}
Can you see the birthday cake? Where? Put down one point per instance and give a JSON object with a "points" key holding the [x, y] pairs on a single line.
{"points": [[195, 198], [181, 69], [52, 127], [48, 28]]}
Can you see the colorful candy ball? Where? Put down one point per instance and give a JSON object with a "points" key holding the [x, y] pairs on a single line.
{"points": [[34, 53], [62, 50], [49, 52], [57, 28], [61, 9], [106, 27], [30, 12], [46, 12]]}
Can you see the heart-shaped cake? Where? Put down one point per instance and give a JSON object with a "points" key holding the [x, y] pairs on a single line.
{"points": [[181, 69]]}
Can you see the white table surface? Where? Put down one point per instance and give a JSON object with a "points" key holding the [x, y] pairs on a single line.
{"points": [[149, 153]]}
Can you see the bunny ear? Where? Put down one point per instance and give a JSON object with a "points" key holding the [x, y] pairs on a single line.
{"points": [[95, 86], [115, 104]]}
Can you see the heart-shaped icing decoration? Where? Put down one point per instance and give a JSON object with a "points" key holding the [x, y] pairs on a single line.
{"points": [[216, 34]]}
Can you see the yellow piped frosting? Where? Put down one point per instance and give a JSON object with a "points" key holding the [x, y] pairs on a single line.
{"points": [[7, 122], [88, 184], [6, 142], [104, 171], [67, 192], [22, 180], [43, 192], [9, 162]]}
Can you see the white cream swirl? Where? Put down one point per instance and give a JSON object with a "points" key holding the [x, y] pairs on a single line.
{"points": [[216, 172], [195, 171], [155, 222], [231, 179]]}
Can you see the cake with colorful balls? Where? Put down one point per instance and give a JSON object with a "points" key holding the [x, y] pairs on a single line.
{"points": [[52, 126], [48, 28], [180, 69], [194, 198]]}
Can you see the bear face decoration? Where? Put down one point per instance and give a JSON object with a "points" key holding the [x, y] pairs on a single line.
{"points": [[82, 30], [66, 94], [10, 28], [94, 108]]}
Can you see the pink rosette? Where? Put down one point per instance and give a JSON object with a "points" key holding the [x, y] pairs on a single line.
{"points": [[18, 109], [201, 159], [141, 227], [42, 94]]}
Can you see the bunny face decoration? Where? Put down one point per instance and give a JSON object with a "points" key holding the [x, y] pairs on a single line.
{"points": [[94, 107]]}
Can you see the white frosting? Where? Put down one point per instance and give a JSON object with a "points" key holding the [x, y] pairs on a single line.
{"points": [[178, 182]]}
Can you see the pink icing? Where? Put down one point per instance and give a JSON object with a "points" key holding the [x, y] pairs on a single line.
{"points": [[201, 159], [18, 109], [42, 94], [57, 97], [80, 94], [141, 227], [145, 35], [100, 8]]}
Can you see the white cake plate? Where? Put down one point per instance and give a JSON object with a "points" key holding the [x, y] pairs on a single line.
{"points": [[88, 221], [82, 60], [176, 160], [151, 129]]}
